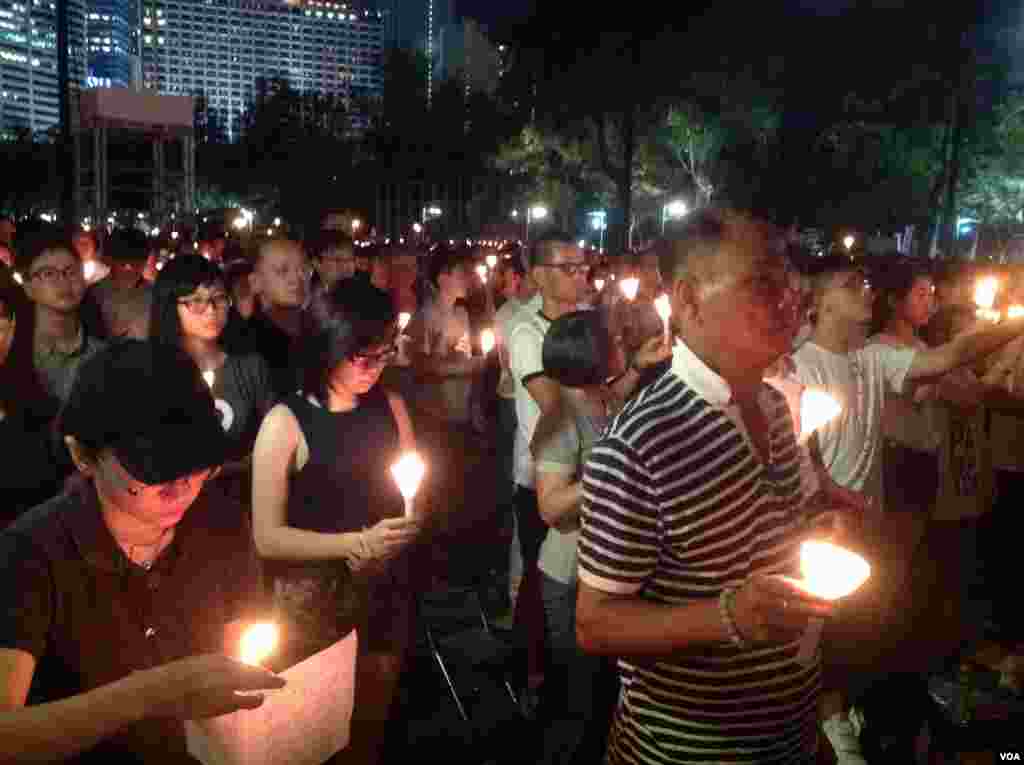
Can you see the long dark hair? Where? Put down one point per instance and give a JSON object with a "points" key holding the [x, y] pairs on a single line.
{"points": [[21, 391], [352, 317], [179, 278]]}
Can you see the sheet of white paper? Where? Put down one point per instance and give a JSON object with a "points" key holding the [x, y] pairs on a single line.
{"points": [[304, 723]]}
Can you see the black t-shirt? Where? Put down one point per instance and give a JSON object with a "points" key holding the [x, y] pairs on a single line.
{"points": [[244, 393], [33, 467], [70, 598], [281, 352]]}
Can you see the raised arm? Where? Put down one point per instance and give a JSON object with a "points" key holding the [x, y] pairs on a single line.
{"points": [[963, 349]]}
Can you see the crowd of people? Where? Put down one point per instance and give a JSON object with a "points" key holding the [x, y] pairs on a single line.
{"points": [[191, 442]]}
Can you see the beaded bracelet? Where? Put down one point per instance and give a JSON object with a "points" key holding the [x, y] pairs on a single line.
{"points": [[725, 606]]}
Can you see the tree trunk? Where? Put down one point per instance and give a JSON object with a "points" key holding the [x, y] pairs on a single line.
{"points": [[625, 185]]}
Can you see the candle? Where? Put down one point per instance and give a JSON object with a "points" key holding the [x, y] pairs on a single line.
{"points": [[1015, 312], [258, 642], [403, 320], [985, 291], [629, 287], [481, 271], [487, 341], [210, 376], [17, 277], [664, 308], [599, 284], [830, 571], [817, 408], [492, 261], [408, 473], [89, 270]]}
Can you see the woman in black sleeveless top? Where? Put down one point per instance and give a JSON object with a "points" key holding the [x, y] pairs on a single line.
{"points": [[327, 516]]}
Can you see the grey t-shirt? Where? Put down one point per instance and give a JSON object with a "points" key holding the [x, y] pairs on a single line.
{"points": [[564, 453]]}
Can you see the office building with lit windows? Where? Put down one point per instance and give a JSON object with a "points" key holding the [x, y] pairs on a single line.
{"points": [[219, 48], [113, 38], [29, 92]]}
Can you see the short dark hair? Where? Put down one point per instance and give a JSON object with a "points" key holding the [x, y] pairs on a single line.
{"points": [[513, 264], [701, 235], [893, 283], [33, 245], [444, 260], [942, 327], [330, 240], [127, 244], [352, 317], [577, 349], [180, 276], [543, 247]]}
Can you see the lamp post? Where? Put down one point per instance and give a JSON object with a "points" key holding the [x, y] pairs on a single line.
{"points": [[675, 209], [599, 222]]}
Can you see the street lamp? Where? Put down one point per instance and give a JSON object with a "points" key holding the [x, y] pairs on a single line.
{"points": [[599, 222], [675, 209], [535, 213]]}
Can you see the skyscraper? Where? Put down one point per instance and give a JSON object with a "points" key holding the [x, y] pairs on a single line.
{"points": [[219, 48], [29, 92], [113, 32]]}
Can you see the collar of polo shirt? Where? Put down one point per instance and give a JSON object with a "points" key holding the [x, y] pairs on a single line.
{"points": [[707, 383]]}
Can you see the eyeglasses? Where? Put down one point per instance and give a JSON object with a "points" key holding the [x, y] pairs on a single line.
{"points": [[51, 275], [569, 269], [382, 359], [198, 305]]}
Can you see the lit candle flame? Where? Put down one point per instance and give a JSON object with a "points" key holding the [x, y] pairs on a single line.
{"points": [[1015, 312], [831, 572], [487, 341], [492, 261], [403, 320], [17, 277], [599, 284], [630, 287], [408, 473], [481, 271], [211, 377], [258, 642], [664, 308], [985, 291], [817, 408], [89, 270]]}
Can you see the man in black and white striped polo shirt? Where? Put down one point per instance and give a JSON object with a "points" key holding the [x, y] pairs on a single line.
{"points": [[690, 502]]}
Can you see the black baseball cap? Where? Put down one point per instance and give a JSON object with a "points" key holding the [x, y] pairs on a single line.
{"points": [[148, 403]]}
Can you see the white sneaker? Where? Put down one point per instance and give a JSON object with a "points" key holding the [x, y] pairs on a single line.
{"points": [[841, 735]]}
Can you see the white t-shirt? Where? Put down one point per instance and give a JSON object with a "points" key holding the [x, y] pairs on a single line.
{"points": [[851, 445], [525, 344], [505, 321]]}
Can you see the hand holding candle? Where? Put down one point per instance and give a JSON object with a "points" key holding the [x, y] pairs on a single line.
{"points": [[408, 473]]}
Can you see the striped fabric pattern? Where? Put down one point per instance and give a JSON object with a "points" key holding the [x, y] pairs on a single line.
{"points": [[677, 507]]}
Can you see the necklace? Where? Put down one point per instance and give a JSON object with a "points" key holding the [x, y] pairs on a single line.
{"points": [[147, 562]]}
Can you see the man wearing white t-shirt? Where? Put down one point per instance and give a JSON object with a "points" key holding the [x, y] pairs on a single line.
{"points": [[859, 377]]}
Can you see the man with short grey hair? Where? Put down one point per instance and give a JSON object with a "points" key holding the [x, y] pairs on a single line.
{"points": [[692, 503]]}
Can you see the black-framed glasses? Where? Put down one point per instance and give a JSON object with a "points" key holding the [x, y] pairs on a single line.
{"points": [[382, 359], [198, 305], [52, 275], [569, 269]]}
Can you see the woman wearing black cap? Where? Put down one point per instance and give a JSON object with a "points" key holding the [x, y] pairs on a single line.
{"points": [[326, 510], [109, 587], [190, 310]]}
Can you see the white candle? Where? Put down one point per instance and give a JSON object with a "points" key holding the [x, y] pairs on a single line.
{"points": [[487, 341], [403, 320], [664, 308], [408, 473], [258, 642], [211, 377], [629, 287]]}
